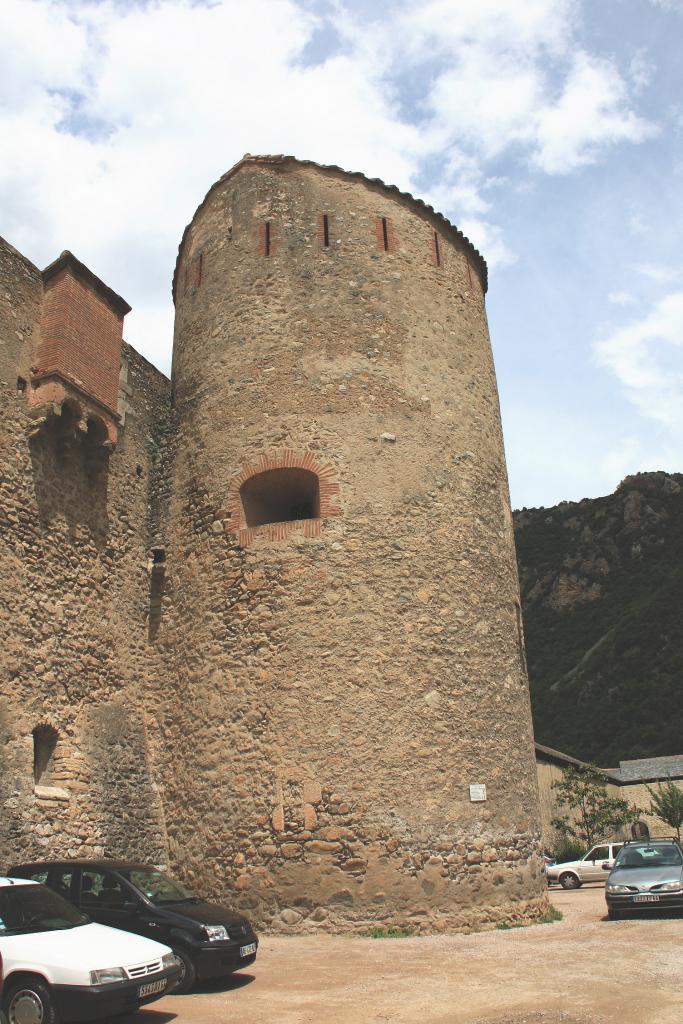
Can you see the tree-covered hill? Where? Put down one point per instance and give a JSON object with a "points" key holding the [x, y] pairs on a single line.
{"points": [[602, 593]]}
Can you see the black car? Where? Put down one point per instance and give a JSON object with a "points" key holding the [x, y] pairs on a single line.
{"points": [[210, 940]]}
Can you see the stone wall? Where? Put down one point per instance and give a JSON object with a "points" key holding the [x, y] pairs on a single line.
{"points": [[636, 794], [341, 682], [74, 564], [290, 709]]}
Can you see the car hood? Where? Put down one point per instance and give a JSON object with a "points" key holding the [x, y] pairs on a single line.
{"points": [[74, 952], [206, 913], [644, 877]]}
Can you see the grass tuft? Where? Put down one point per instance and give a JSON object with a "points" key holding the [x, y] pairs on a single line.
{"points": [[553, 915], [380, 932]]}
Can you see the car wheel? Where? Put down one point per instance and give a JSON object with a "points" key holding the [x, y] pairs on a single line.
{"points": [[568, 881], [29, 1002], [188, 973]]}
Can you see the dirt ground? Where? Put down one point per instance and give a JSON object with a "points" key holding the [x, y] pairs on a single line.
{"points": [[581, 970]]}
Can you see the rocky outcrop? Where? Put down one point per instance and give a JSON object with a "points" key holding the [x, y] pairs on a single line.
{"points": [[602, 596]]}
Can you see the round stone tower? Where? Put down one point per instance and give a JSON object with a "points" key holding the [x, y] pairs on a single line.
{"points": [[349, 705]]}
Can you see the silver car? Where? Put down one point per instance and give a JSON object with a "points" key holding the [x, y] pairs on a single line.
{"points": [[647, 874]]}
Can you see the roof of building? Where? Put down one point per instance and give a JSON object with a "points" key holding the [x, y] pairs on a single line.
{"points": [[650, 769], [643, 769], [281, 158], [566, 760]]}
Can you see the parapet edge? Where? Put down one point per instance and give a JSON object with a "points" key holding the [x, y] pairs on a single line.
{"points": [[281, 159]]}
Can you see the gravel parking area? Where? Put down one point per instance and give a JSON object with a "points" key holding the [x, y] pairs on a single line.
{"points": [[581, 970]]}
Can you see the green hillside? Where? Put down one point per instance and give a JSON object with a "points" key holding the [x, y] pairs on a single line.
{"points": [[602, 594]]}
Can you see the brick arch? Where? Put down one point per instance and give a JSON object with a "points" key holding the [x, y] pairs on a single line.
{"points": [[284, 459]]}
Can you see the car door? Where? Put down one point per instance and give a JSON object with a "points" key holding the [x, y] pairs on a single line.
{"points": [[61, 880], [614, 853], [590, 868], [107, 899]]}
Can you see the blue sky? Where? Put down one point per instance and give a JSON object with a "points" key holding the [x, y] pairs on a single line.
{"points": [[550, 131]]}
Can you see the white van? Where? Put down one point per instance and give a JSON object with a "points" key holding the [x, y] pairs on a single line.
{"points": [[57, 965]]}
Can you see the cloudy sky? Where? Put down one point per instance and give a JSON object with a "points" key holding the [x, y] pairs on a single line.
{"points": [[549, 131]]}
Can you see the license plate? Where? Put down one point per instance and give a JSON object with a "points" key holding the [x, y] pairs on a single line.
{"points": [[151, 988], [646, 899], [248, 950]]}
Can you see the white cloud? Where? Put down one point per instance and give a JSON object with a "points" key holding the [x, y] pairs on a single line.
{"points": [[642, 356], [488, 239], [591, 113], [669, 5], [620, 298], [659, 273], [641, 70], [118, 117], [625, 457]]}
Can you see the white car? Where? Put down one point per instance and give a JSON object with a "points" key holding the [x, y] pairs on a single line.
{"points": [[56, 965], [573, 873]]}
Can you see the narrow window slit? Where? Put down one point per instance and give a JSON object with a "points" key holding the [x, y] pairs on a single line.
{"points": [[267, 239], [437, 249], [385, 234], [156, 591], [326, 231], [44, 744]]}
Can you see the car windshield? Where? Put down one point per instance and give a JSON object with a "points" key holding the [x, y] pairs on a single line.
{"points": [[34, 908], [156, 886], [653, 855]]}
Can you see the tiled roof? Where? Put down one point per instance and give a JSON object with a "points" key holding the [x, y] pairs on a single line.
{"points": [[358, 176], [650, 769], [566, 760]]}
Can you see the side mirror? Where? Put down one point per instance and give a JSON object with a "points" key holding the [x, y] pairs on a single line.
{"points": [[606, 865], [130, 907]]}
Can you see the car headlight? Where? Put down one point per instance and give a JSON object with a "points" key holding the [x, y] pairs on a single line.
{"points": [[107, 975], [668, 887], [169, 960], [618, 888], [215, 932]]}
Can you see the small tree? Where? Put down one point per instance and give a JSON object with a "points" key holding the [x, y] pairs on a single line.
{"points": [[596, 815], [666, 803]]}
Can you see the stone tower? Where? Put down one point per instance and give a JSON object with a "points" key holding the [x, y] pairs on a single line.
{"points": [[348, 724]]}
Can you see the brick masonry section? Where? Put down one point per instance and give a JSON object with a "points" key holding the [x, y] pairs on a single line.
{"points": [[321, 230], [438, 249], [267, 238], [285, 459], [193, 272], [80, 338], [391, 244]]}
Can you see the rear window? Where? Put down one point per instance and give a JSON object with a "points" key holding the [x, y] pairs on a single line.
{"points": [[654, 855], [35, 874]]}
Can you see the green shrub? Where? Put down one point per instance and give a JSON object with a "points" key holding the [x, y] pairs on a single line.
{"points": [[567, 850]]}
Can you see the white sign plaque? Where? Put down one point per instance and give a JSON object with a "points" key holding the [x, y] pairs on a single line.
{"points": [[477, 792]]}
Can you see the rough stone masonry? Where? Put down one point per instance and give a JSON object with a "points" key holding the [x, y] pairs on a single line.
{"points": [[261, 622]]}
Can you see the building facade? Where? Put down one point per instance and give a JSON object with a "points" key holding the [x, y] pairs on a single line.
{"points": [[264, 620], [633, 781]]}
